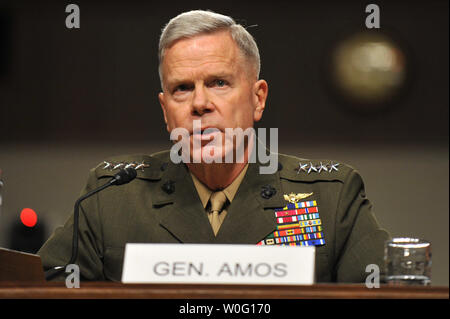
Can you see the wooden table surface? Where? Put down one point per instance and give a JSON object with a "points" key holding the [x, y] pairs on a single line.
{"points": [[112, 290]]}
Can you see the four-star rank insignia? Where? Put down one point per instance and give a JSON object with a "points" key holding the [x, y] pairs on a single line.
{"points": [[113, 166], [318, 168], [298, 223]]}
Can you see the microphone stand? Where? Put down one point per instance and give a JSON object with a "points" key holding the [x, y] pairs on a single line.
{"points": [[124, 176]]}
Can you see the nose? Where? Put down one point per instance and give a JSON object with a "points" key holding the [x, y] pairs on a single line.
{"points": [[201, 103]]}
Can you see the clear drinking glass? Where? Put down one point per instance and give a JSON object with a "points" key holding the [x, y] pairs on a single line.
{"points": [[408, 261]]}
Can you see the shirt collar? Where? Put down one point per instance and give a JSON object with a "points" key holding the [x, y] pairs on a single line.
{"points": [[230, 191]]}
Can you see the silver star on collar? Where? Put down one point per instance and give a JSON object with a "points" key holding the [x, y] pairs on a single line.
{"points": [[133, 165], [301, 167], [108, 165], [312, 168], [118, 165], [333, 167], [322, 168], [142, 166]]}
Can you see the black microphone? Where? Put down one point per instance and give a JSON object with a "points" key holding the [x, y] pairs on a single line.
{"points": [[122, 177]]}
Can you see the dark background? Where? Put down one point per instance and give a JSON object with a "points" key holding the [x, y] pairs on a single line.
{"points": [[100, 82], [71, 97]]}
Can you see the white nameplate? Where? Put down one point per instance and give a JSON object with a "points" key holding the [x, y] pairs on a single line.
{"points": [[218, 264]]}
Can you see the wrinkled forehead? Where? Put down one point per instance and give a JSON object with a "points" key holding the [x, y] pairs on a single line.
{"points": [[216, 49]]}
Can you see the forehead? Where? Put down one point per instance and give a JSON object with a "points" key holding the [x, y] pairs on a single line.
{"points": [[202, 52]]}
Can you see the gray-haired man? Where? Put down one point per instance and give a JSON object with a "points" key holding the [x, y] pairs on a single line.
{"points": [[209, 71]]}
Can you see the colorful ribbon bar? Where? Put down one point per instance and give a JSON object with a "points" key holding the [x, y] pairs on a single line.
{"points": [[313, 242], [299, 205], [290, 219], [290, 239], [300, 211], [307, 223], [295, 231]]}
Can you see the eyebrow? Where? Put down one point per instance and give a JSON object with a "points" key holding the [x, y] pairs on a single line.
{"points": [[221, 74]]}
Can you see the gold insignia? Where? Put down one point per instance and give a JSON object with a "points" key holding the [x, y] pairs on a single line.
{"points": [[294, 198]]}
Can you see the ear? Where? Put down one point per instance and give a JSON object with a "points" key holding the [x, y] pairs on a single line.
{"points": [[260, 91], [162, 102]]}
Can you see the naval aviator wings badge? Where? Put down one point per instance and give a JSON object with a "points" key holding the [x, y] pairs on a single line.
{"points": [[298, 223], [294, 198]]}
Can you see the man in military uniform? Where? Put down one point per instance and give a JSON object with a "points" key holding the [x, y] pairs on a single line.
{"points": [[209, 70]]}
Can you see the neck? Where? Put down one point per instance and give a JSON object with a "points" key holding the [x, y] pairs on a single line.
{"points": [[219, 175], [216, 175]]}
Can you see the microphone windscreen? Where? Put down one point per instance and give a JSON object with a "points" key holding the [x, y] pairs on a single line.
{"points": [[125, 176]]}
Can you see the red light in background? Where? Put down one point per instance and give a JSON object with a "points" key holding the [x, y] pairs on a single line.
{"points": [[28, 217]]}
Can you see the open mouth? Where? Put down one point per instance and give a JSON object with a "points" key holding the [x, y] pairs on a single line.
{"points": [[206, 134]]}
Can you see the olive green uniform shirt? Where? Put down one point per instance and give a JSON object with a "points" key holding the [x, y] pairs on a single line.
{"points": [[162, 206]]}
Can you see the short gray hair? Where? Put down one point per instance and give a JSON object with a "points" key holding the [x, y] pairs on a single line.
{"points": [[195, 22]]}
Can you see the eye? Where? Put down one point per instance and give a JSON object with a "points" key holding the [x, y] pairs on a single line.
{"points": [[182, 88], [219, 83]]}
